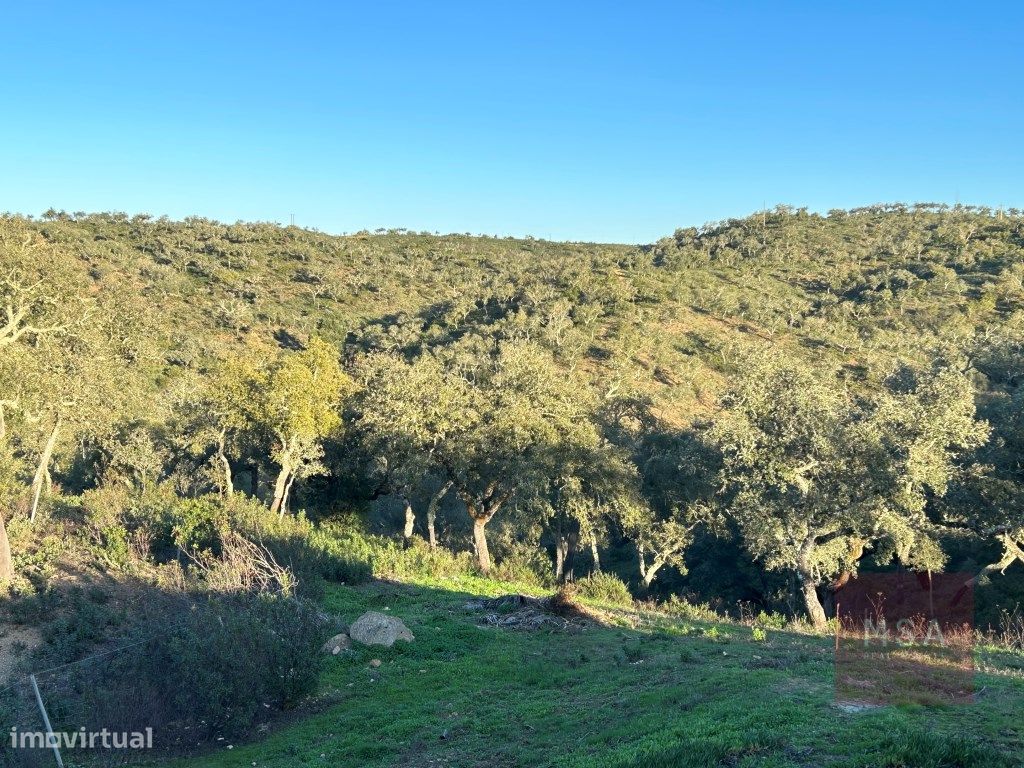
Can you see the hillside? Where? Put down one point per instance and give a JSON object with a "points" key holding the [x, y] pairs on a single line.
{"points": [[219, 436], [860, 288]]}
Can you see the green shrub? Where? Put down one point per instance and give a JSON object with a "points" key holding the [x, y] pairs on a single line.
{"points": [[676, 606], [393, 560], [83, 622], [36, 547], [200, 525], [523, 564], [338, 551], [126, 525], [114, 548], [771, 620], [342, 556], [604, 588], [213, 671], [229, 658]]}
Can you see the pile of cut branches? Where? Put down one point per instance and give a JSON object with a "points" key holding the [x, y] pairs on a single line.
{"points": [[557, 613]]}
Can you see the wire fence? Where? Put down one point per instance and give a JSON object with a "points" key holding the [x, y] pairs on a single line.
{"points": [[94, 717]]}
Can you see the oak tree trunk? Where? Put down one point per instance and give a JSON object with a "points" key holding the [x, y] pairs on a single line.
{"points": [[6, 564], [287, 494], [43, 469], [808, 584], [435, 503], [648, 577], [229, 486], [565, 556], [483, 555], [280, 488], [594, 554], [410, 522], [815, 611], [572, 540], [647, 573]]}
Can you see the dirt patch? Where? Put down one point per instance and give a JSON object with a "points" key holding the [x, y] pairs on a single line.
{"points": [[16, 643]]}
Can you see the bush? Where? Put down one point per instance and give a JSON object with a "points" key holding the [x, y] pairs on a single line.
{"points": [[84, 621], [201, 525], [686, 610], [604, 588], [228, 658], [338, 551], [393, 560], [214, 671], [415, 559], [770, 620], [125, 526], [523, 564]]}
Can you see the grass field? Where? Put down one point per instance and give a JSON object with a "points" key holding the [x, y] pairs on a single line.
{"points": [[643, 689]]}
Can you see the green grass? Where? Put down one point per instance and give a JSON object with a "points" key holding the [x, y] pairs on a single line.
{"points": [[646, 690]]}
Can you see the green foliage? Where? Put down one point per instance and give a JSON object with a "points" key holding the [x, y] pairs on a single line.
{"points": [[812, 471], [216, 668], [604, 588], [677, 606], [201, 525]]}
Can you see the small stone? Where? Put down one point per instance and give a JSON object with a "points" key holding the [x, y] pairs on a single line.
{"points": [[337, 644]]}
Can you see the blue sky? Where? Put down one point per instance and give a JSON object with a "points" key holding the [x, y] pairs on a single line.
{"points": [[587, 121]]}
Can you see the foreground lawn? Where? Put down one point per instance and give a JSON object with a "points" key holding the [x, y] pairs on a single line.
{"points": [[645, 690]]}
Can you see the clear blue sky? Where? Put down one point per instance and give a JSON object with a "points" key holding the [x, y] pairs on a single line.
{"points": [[589, 120]]}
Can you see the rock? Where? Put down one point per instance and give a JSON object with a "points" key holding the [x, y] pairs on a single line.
{"points": [[373, 628], [337, 644], [853, 707], [375, 663]]}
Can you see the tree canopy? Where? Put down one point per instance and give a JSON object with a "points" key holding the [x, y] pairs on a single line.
{"points": [[791, 394]]}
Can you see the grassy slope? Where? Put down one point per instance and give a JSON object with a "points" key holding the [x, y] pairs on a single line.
{"points": [[646, 690]]}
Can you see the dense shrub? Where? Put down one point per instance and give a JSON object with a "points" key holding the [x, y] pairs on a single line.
{"points": [[676, 606], [337, 552], [215, 670], [604, 588], [393, 560], [523, 564], [201, 525]]}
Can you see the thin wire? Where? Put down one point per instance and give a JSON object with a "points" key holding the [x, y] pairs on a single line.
{"points": [[95, 656]]}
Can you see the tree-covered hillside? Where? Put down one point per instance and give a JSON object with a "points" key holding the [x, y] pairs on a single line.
{"points": [[574, 404]]}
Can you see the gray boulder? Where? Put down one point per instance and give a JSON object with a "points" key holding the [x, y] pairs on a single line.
{"points": [[337, 644], [373, 628]]}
